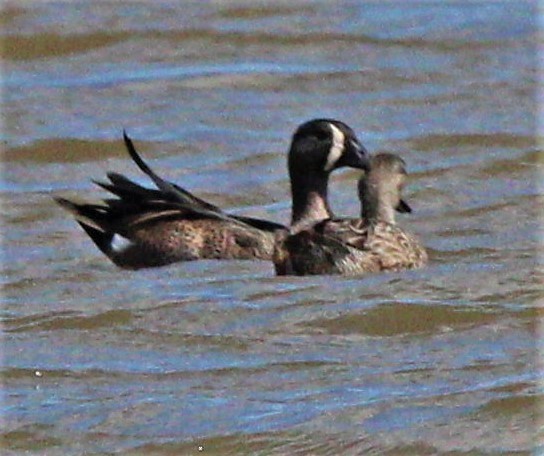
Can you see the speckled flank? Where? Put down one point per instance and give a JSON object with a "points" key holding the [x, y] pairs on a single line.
{"points": [[373, 243], [172, 241], [155, 227]]}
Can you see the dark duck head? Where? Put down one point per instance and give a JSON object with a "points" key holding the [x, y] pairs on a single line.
{"points": [[319, 147]]}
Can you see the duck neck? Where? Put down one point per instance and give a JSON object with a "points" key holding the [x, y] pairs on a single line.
{"points": [[309, 196], [374, 206]]}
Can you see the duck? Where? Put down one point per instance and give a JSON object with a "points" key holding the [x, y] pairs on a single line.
{"points": [[370, 244], [142, 227]]}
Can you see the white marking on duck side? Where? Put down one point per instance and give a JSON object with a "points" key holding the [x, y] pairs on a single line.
{"points": [[119, 243], [337, 148]]}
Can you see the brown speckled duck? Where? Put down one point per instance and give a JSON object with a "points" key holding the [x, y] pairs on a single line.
{"points": [[144, 227], [372, 243]]}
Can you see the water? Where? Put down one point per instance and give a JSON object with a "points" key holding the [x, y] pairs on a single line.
{"points": [[223, 355]]}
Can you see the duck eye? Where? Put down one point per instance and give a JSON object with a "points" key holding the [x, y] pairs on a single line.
{"points": [[322, 135]]}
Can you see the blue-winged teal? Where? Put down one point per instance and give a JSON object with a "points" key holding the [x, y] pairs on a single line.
{"points": [[146, 227], [372, 243]]}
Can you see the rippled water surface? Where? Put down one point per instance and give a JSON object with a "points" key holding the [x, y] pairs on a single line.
{"points": [[223, 355]]}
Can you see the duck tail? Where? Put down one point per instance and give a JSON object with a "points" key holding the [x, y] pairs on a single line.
{"points": [[93, 219]]}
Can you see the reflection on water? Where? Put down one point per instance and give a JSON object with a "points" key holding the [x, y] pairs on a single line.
{"points": [[223, 355]]}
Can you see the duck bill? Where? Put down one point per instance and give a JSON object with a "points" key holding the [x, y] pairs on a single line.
{"points": [[354, 156], [403, 207]]}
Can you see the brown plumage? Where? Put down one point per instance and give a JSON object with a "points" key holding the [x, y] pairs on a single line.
{"points": [[372, 243], [144, 227]]}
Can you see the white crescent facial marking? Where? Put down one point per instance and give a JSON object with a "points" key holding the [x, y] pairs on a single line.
{"points": [[337, 148], [119, 243]]}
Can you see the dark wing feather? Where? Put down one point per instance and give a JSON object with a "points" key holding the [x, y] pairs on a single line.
{"points": [[172, 190], [175, 193]]}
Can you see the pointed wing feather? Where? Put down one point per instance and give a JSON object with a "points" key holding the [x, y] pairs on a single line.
{"points": [[173, 190]]}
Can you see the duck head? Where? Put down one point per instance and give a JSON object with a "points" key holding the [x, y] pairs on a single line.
{"points": [[380, 190], [319, 147]]}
